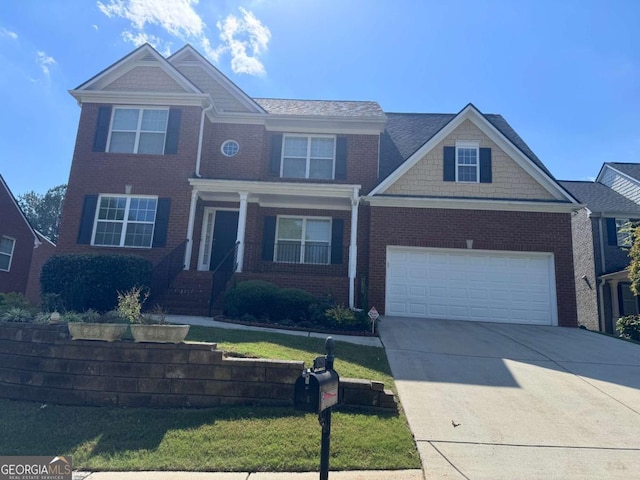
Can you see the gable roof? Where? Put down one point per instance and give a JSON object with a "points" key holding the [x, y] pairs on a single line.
{"points": [[322, 108], [630, 169], [408, 137], [599, 198], [3, 184]]}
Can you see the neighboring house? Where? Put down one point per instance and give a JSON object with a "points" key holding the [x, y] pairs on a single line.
{"points": [[427, 215], [602, 241], [23, 250]]}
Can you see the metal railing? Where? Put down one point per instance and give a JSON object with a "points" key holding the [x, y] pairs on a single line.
{"points": [[167, 269], [221, 277]]}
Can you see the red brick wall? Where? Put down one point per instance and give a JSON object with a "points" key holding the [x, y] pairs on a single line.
{"points": [[40, 256], [12, 224], [489, 230], [99, 172]]}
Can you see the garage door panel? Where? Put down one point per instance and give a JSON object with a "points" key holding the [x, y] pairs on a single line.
{"points": [[478, 285]]}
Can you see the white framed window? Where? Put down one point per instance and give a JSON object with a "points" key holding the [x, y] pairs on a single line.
{"points": [[303, 240], [230, 148], [467, 162], [623, 232], [125, 221], [308, 156], [7, 245], [138, 130]]}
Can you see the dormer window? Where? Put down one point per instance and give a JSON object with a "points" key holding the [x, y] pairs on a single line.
{"points": [[138, 130], [306, 156], [467, 162]]}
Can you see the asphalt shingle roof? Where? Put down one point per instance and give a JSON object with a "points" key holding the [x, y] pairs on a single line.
{"points": [[631, 169], [599, 198], [406, 132], [321, 108]]}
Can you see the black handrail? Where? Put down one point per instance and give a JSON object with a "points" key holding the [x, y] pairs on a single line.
{"points": [[233, 250], [168, 269], [219, 279]]}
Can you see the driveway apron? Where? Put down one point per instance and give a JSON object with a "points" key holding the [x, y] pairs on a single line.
{"points": [[499, 401]]}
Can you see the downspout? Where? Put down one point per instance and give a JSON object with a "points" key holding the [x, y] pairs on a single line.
{"points": [[199, 155], [601, 283], [353, 246]]}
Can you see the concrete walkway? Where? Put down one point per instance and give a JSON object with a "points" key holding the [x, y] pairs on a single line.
{"points": [[502, 402], [353, 475]]}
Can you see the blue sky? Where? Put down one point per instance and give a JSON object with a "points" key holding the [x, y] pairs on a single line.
{"points": [[564, 73]]}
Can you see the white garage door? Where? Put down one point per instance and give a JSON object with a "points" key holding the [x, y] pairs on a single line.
{"points": [[476, 285]]}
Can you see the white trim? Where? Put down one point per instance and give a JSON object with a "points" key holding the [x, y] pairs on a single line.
{"points": [[550, 264], [324, 125], [353, 247], [190, 225], [201, 266], [141, 98], [307, 159], [229, 141], [471, 204], [303, 238], [124, 221], [628, 177], [13, 249], [469, 146], [473, 114], [138, 131], [241, 230]]}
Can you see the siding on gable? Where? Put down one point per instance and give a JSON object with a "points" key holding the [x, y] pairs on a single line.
{"points": [[509, 179], [222, 99], [144, 79], [621, 184]]}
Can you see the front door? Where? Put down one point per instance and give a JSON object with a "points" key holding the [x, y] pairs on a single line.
{"points": [[225, 231]]}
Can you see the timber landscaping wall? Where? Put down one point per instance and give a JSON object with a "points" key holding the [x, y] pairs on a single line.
{"points": [[40, 363]]}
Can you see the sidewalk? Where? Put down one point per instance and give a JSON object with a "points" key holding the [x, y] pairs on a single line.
{"points": [[347, 475], [209, 322]]}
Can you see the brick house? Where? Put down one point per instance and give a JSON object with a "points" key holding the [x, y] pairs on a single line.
{"points": [[428, 215], [601, 244], [23, 250]]}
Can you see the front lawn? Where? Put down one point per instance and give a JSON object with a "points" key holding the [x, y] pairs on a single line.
{"points": [[219, 439]]}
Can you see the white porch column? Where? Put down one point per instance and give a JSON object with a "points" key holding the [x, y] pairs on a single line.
{"points": [[615, 305], [192, 219], [242, 223], [353, 246]]}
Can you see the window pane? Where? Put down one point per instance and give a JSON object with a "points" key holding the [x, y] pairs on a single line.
{"points": [[151, 143], [321, 168], [467, 156], [108, 233], [467, 174], [154, 120], [112, 208], [142, 209], [6, 246], [122, 142], [290, 228], [138, 235], [318, 231], [322, 148], [4, 262], [294, 167], [288, 252], [295, 147], [125, 119]]}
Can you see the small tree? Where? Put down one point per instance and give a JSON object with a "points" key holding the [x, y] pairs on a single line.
{"points": [[634, 265], [44, 211]]}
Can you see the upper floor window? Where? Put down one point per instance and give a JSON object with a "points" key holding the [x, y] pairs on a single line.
{"points": [[623, 232], [303, 240], [138, 130], [467, 162], [6, 253], [308, 156], [125, 221]]}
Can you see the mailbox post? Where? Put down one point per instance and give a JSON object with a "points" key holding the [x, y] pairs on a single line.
{"points": [[316, 390]]}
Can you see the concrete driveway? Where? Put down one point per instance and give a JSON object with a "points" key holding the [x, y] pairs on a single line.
{"points": [[494, 401]]}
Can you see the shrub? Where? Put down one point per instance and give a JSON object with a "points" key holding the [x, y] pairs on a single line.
{"points": [[253, 297], [343, 318], [17, 314], [130, 304], [92, 281], [629, 327], [292, 304], [13, 300]]}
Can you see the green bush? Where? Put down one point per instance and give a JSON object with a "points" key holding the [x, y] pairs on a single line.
{"points": [[92, 281], [629, 327], [340, 317], [17, 314], [292, 304], [253, 297], [13, 300]]}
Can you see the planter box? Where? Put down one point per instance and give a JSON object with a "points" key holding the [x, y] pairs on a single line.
{"points": [[159, 333], [97, 331]]}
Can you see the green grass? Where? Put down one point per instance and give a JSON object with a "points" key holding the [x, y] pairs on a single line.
{"points": [[220, 439]]}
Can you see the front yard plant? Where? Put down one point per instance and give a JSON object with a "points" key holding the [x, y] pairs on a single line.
{"points": [[629, 327]]}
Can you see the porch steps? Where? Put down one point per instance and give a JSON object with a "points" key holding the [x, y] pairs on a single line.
{"points": [[188, 294]]}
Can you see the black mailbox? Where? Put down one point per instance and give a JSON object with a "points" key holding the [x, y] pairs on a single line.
{"points": [[315, 391]]}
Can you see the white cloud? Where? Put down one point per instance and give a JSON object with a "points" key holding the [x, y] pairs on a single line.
{"points": [[95, 27], [244, 37], [8, 33], [44, 61]]}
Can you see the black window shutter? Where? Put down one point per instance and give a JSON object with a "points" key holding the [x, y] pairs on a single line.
{"points": [[268, 238], [173, 131], [162, 223], [341, 158], [87, 218], [102, 129], [449, 174], [337, 232], [612, 232], [485, 165], [276, 156]]}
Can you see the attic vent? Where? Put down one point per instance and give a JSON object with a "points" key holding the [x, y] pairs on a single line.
{"points": [[148, 58]]}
